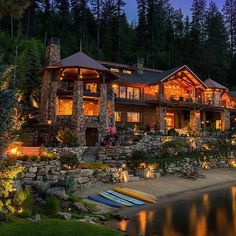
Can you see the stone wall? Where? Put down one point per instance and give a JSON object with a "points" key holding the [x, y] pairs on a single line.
{"points": [[151, 144], [51, 173]]}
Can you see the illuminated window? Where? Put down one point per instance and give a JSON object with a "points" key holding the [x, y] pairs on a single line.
{"points": [[128, 72], [115, 90], [114, 70], [133, 93], [130, 93], [64, 106], [122, 92], [133, 117], [91, 87], [117, 116], [91, 108]]}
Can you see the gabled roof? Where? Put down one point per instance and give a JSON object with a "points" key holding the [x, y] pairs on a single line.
{"points": [[154, 77], [213, 84], [80, 60]]}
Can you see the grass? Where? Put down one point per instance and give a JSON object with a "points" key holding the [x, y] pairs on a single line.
{"points": [[55, 227]]}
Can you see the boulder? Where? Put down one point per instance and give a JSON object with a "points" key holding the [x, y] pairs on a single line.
{"points": [[80, 207], [57, 192], [65, 215]]}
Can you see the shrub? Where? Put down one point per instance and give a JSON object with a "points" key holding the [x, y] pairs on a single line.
{"points": [[172, 145], [67, 137], [52, 206], [8, 172], [69, 158], [25, 214], [139, 155], [69, 183]]}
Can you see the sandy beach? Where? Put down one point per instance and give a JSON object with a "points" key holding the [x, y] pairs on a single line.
{"points": [[167, 188]]}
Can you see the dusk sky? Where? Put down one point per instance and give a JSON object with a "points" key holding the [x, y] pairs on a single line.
{"points": [[131, 7]]}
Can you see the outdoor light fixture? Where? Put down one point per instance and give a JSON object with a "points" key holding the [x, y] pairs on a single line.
{"points": [[49, 122]]}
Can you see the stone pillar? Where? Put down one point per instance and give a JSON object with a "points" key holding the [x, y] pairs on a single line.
{"points": [[111, 110], [225, 120], [195, 120], [53, 101], [45, 95], [103, 112], [161, 119], [78, 112]]}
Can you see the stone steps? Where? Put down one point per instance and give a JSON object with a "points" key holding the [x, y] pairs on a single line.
{"points": [[90, 154]]}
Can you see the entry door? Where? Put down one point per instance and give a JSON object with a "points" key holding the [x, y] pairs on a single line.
{"points": [[91, 136]]}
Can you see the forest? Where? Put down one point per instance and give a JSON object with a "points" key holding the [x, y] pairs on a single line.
{"points": [[162, 35]]}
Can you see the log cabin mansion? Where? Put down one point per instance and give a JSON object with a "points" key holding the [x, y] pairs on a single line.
{"points": [[92, 96]]}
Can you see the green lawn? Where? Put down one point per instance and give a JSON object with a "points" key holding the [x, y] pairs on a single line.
{"points": [[55, 227]]}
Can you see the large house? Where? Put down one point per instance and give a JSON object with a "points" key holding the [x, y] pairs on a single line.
{"points": [[92, 96]]}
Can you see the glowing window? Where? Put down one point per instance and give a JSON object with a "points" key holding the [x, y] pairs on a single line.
{"points": [[115, 70], [116, 89], [130, 93], [64, 106], [91, 108], [122, 92], [117, 116], [128, 72], [133, 117], [91, 87]]}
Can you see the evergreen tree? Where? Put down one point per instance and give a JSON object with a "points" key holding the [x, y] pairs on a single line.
{"points": [[230, 20], [14, 9], [216, 54], [96, 9], [197, 34]]}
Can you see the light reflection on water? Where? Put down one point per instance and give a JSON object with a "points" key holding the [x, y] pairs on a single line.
{"points": [[210, 214]]}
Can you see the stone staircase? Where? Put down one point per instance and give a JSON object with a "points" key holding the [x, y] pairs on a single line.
{"points": [[90, 154]]}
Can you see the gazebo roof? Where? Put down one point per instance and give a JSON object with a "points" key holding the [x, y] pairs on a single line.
{"points": [[81, 60]]}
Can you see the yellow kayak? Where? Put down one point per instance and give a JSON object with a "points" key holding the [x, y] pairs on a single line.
{"points": [[136, 194]]}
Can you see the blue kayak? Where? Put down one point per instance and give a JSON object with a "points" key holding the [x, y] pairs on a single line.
{"points": [[115, 199], [125, 197], [104, 201]]}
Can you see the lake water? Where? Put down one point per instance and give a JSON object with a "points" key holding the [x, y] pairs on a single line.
{"points": [[209, 214]]}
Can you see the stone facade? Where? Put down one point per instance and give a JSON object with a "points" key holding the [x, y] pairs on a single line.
{"points": [[78, 113], [195, 120], [53, 53], [225, 120]]}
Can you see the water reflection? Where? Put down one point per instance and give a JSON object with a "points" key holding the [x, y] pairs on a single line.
{"points": [[211, 214]]}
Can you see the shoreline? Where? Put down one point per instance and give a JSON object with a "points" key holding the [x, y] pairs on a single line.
{"points": [[166, 188], [175, 197]]}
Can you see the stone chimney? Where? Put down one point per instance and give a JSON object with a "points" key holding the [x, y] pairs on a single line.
{"points": [[140, 63], [53, 51]]}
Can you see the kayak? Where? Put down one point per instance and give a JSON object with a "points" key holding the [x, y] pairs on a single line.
{"points": [[104, 201], [125, 197], [115, 199], [136, 194]]}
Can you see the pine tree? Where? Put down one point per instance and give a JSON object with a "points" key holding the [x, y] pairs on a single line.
{"points": [[216, 55], [14, 9], [142, 25], [120, 11], [230, 21], [197, 35], [96, 9]]}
